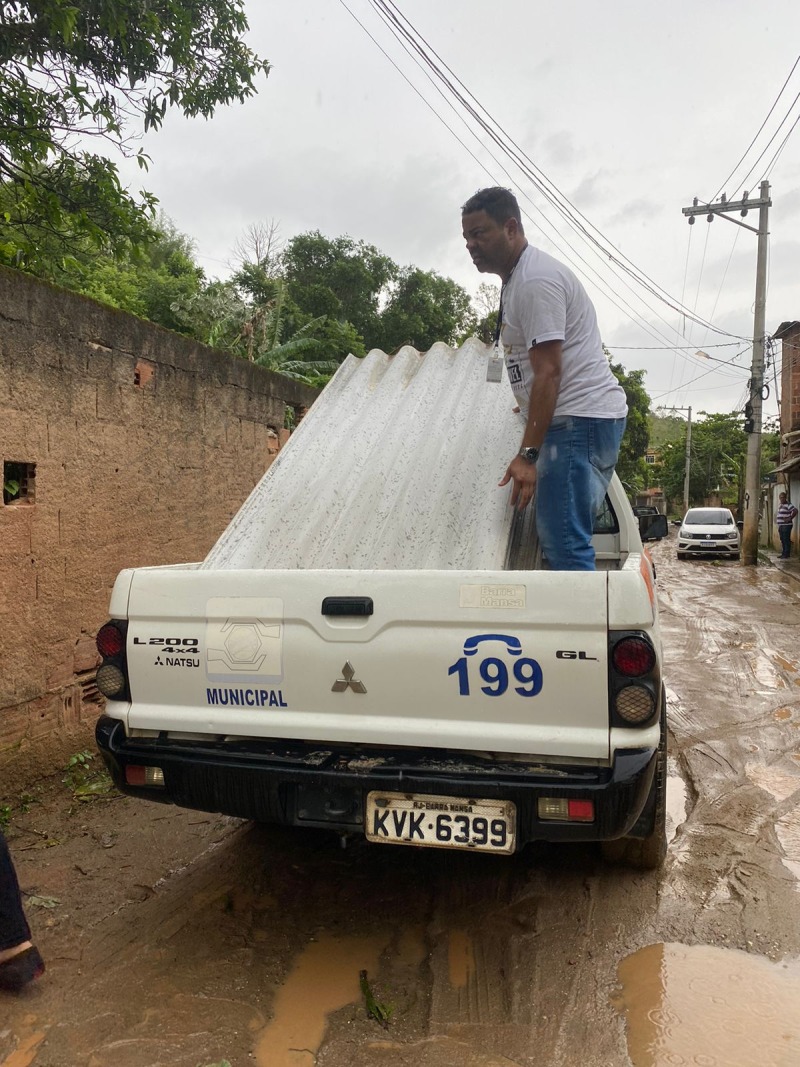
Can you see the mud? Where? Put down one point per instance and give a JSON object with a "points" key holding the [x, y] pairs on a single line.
{"points": [[182, 939]]}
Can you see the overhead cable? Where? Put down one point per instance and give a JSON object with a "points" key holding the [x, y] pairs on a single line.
{"points": [[758, 131], [610, 293], [410, 39]]}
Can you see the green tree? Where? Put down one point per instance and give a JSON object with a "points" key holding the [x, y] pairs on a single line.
{"points": [[104, 70], [717, 461], [341, 278], [482, 320], [146, 280], [424, 308], [631, 466]]}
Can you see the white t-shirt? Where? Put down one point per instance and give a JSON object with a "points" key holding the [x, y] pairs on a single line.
{"points": [[544, 301]]}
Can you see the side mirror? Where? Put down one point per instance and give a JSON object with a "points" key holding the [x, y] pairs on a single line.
{"points": [[653, 527]]}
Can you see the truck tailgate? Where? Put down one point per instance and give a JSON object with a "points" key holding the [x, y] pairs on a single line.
{"points": [[492, 661]]}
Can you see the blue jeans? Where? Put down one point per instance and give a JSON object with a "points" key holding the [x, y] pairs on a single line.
{"points": [[575, 465], [785, 534]]}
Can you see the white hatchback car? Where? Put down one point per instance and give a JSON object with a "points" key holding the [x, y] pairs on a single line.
{"points": [[708, 532]]}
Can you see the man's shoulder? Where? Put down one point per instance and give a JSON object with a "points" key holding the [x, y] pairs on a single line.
{"points": [[537, 267]]}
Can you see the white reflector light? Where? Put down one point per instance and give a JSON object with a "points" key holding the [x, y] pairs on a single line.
{"points": [[553, 808], [137, 775], [110, 680], [635, 704]]}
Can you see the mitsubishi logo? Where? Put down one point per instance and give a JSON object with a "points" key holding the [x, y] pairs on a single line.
{"points": [[348, 680]]}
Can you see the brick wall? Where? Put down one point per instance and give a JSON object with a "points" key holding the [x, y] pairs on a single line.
{"points": [[790, 377], [138, 446]]}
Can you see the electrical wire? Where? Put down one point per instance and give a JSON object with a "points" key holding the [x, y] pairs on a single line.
{"points": [[699, 376], [411, 40], [758, 131], [775, 158], [741, 184], [613, 296]]}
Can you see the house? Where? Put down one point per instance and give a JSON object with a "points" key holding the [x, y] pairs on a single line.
{"points": [[788, 469]]}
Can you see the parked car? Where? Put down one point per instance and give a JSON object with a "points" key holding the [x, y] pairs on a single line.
{"points": [[708, 532], [649, 529]]}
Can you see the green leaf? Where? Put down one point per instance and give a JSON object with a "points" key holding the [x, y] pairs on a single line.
{"points": [[376, 1010]]}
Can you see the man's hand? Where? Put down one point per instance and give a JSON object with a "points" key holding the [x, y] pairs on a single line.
{"points": [[523, 474]]}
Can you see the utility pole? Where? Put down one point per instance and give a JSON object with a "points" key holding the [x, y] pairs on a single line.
{"points": [[688, 462], [688, 465], [753, 407]]}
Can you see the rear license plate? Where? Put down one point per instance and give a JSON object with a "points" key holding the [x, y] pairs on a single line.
{"points": [[441, 822]]}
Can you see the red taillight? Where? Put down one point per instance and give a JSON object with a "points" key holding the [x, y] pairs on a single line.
{"points": [[581, 810], [110, 641], [633, 656], [144, 776]]}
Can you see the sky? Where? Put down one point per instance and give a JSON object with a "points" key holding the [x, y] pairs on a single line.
{"points": [[630, 108]]}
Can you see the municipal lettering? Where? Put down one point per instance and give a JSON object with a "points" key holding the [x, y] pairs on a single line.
{"points": [[246, 698]]}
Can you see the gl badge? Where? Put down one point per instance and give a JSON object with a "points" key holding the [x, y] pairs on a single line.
{"points": [[348, 681]]}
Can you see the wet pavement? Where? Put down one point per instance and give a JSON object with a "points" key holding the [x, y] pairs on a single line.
{"points": [[188, 940]]}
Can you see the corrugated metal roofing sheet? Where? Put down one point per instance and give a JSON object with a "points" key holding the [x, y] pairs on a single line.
{"points": [[395, 466]]}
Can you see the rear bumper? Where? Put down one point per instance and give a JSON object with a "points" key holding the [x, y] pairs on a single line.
{"points": [[325, 785]]}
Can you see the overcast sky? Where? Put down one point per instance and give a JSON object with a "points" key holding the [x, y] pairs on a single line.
{"points": [[631, 109]]}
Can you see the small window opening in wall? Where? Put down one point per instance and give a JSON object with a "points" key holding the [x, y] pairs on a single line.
{"points": [[19, 482], [292, 415], [143, 373]]}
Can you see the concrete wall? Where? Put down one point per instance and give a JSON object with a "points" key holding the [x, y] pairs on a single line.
{"points": [[141, 446]]}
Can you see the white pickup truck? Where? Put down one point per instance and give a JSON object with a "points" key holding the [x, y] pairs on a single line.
{"points": [[454, 705]]}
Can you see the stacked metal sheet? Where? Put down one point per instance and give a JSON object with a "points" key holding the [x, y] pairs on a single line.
{"points": [[395, 466]]}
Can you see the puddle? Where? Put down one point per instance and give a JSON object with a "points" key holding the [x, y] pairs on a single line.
{"points": [[699, 1006], [460, 958], [324, 978], [786, 664], [677, 800]]}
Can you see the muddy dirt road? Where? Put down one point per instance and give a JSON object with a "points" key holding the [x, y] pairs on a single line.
{"points": [[184, 940]]}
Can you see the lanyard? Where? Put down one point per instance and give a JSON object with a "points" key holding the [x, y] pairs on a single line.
{"points": [[499, 324]]}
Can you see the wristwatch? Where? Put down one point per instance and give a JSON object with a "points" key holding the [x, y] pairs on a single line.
{"points": [[530, 454]]}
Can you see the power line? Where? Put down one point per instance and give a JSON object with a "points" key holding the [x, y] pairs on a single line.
{"points": [[608, 292], [409, 38], [758, 131], [775, 158], [769, 142]]}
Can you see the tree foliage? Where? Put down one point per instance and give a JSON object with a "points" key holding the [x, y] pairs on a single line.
{"points": [[717, 462], [105, 70], [423, 308], [631, 466]]}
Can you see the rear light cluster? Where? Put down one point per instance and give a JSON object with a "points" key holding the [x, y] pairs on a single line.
{"points": [[565, 810], [634, 679], [112, 674]]}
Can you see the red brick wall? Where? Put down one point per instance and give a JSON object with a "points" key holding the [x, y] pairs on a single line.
{"points": [[145, 445], [790, 383]]}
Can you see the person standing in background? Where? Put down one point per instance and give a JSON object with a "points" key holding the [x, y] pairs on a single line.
{"points": [[784, 519]]}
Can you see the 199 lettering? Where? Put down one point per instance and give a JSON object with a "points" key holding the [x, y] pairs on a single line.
{"points": [[475, 830]]}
